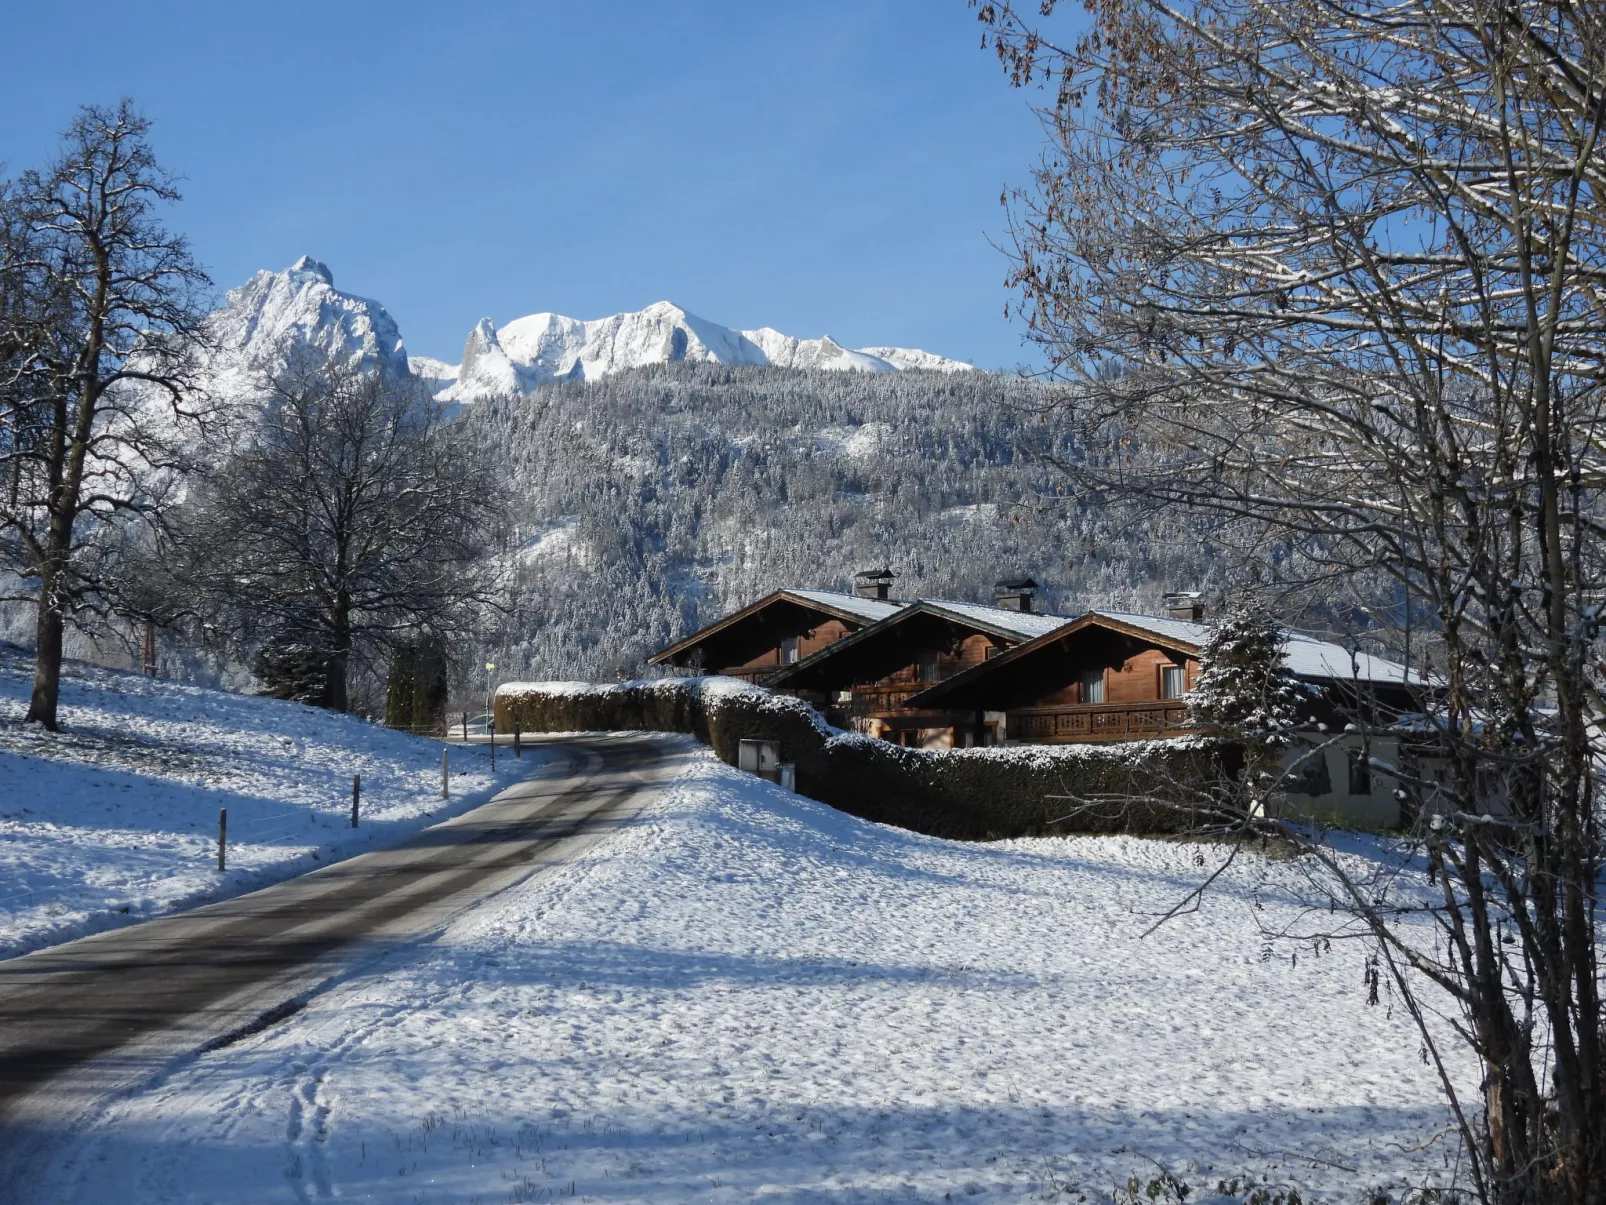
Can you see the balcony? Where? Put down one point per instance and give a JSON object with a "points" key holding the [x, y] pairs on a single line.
{"points": [[1099, 722], [881, 701]]}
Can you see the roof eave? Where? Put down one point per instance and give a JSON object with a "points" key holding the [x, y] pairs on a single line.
{"points": [[1021, 651], [780, 676], [752, 608], [920, 606]]}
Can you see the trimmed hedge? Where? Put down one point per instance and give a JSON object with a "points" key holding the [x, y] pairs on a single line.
{"points": [[979, 794]]}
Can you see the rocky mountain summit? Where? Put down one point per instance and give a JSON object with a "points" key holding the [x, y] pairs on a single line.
{"points": [[274, 313], [532, 351]]}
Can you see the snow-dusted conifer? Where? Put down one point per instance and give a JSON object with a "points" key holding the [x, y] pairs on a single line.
{"points": [[1245, 691]]}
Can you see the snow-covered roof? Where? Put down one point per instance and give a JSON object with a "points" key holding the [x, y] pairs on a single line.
{"points": [[1022, 623], [1170, 629], [870, 608], [1312, 658], [1303, 655]]}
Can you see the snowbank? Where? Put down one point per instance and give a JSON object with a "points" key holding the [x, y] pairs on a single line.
{"points": [[749, 996], [115, 819], [1151, 786]]}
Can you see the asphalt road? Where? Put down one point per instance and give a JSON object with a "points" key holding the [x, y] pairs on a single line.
{"points": [[104, 1014]]}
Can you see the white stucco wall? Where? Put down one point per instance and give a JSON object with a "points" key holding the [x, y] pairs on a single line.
{"points": [[1377, 809]]}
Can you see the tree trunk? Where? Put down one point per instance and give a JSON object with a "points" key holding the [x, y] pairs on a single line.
{"points": [[47, 657], [335, 696]]}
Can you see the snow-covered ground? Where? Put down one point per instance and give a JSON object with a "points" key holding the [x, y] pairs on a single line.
{"points": [[751, 996], [115, 818]]}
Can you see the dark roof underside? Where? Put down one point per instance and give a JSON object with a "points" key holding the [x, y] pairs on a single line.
{"points": [[757, 628], [877, 651], [1029, 672], [1025, 674]]}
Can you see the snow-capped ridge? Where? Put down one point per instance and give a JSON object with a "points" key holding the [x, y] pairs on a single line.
{"points": [[543, 347], [274, 316], [315, 266]]}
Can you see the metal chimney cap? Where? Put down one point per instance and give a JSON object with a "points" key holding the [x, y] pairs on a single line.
{"points": [[873, 583], [1015, 583], [1185, 604]]}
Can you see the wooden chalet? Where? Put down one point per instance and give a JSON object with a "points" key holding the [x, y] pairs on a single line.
{"points": [[781, 628], [865, 680], [1114, 676]]}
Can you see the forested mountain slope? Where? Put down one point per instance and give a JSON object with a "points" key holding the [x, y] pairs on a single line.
{"points": [[654, 500]]}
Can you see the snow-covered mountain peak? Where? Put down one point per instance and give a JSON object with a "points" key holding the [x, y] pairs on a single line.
{"points": [[486, 362], [315, 266], [543, 347], [276, 315]]}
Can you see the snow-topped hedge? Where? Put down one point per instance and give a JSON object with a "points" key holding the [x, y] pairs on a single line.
{"points": [[975, 793]]}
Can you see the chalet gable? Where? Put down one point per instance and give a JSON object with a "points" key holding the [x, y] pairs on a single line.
{"points": [[925, 629], [765, 626], [1044, 669]]}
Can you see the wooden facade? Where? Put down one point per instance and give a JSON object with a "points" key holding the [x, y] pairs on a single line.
{"points": [[779, 629], [1111, 677], [790, 649], [865, 682], [1088, 681]]}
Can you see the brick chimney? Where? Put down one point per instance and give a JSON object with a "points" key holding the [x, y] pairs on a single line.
{"points": [[873, 583], [1014, 594], [1185, 604]]}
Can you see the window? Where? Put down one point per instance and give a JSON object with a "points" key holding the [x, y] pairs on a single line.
{"points": [[1170, 681], [1360, 773], [789, 650], [1093, 686], [928, 667], [1309, 775]]}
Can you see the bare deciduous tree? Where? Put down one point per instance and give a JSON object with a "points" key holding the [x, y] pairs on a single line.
{"points": [[1337, 269], [350, 519], [99, 307]]}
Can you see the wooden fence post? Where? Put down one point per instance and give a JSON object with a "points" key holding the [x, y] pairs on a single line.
{"points": [[516, 752], [222, 837], [446, 776], [356, 795]]}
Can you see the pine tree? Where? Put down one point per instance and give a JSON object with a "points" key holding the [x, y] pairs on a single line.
{"points": [[1244, 691]]}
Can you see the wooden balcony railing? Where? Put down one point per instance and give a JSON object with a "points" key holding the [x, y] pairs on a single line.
{"points": [[880, 700], [1098, 722]]}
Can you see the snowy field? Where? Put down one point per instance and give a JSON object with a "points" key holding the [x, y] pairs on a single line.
{"points": [[115, 818], [750, 996]]}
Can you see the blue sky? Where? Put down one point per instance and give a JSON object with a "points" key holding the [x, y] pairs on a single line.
{"points": [[830, 166]]}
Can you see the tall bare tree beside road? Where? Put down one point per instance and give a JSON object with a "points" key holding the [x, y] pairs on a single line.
{"points": [[99, 308], [350, 520], [1338, 269]]}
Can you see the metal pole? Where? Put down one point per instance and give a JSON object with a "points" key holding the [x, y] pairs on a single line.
{"points": [[446, 776], [356, 795], [490, 727], [516, 752], [222, 836]]}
